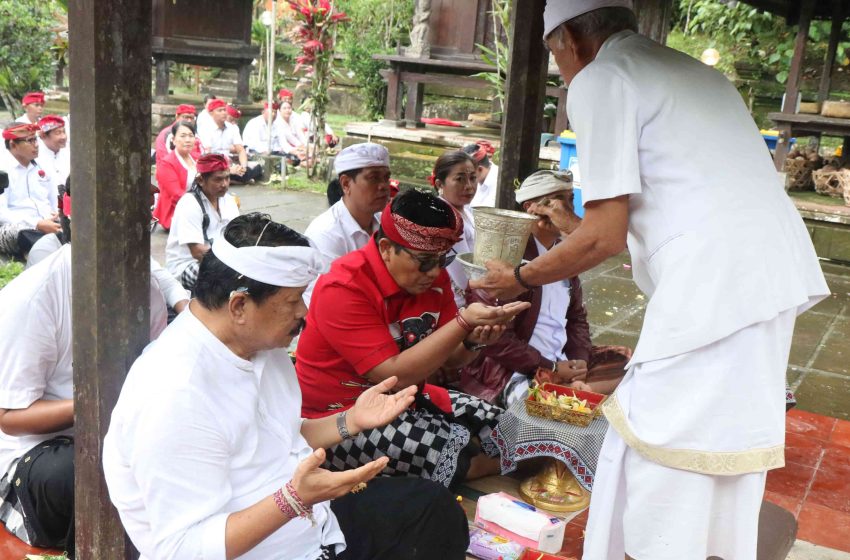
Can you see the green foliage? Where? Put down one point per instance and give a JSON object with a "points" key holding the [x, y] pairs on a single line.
{"points": [[375, 27], [25, 49], [499, 55], [746, 34], [9, 271]]}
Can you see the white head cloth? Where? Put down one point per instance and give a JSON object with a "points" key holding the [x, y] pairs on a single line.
{"points": [[541, 183], [559, 11], [287, 267], [359, 156]]}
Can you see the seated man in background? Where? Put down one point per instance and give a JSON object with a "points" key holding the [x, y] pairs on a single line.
{"points": [[553, 334], [37, 400], [363, 174], [223, 138], [387, 310], [185, 114], [486, 171], [199, 217], [33, 104], [29, 206], [255, 135], [54, 155]]}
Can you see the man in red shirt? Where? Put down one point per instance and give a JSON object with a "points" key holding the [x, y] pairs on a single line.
{"points": [[388, 309], [184, 113]]}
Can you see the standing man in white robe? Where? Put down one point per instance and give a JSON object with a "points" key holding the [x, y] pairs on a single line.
{"points": [[727, 264]]}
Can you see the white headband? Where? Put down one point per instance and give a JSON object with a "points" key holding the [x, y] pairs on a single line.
{"points": [[362, 155], [541, 183], [287, 267]]}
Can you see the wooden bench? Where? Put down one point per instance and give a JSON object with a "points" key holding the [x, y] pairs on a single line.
{"points": [[415, 73]]}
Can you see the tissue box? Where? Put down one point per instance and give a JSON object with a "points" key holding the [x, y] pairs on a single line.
{"points": [[510, 517]]}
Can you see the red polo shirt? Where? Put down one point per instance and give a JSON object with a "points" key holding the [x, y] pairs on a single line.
{"points": [[358, 318]]}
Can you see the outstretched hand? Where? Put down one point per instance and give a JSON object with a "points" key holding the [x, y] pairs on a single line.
{"points": [[499, 281], [375, 407], [555, 213], [314, 484]]}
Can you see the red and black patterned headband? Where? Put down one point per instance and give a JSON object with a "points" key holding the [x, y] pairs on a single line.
{"points": [[421, 238]]}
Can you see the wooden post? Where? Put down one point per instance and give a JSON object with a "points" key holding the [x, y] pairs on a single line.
{"points": [[413, 110], [393, 111], [110, 76], [792, 89], [562, 122], [162, 80], [522, 121], [243, 89], [654, 18], [829, 60]]}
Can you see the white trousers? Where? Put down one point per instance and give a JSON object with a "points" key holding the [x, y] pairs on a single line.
{"points": [[650, 511]]}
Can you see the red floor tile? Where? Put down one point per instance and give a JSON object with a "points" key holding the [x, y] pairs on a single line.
{"points": [[831, 487], [825, 527], [841, 434], [802, 450], [573, 541], [809, 424], [785, 502], [12, 548], [792, 480]]}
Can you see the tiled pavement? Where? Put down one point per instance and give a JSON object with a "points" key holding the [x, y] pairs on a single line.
{"points": [[819, 365]]}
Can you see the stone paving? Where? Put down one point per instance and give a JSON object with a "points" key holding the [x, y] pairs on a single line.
{"points": [[819, 370]]}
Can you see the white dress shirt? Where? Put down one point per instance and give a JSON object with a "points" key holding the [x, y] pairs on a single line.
{"points": [[57, 163], [550, 335], [30, 197], [199, 433], [187, 227], [486, 193], [256, 135], [335, 233], [36, 344], [221, 140], [466, 244], [292, 133]]}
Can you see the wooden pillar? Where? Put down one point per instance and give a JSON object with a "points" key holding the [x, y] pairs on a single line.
{"points": [[110, 77], [562, 121], [829, 61], [243, 84], [654, 18], [526, 90], [792, 88], [413, 110], [394, 94], [162, 80]]}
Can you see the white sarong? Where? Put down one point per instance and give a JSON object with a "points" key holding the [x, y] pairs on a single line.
{"points": [[681, 473]]}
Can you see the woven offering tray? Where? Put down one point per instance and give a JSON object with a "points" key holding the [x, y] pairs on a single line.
{"points": [[556, 412]]}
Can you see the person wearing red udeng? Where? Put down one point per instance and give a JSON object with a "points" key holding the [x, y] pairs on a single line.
{"points": [[388, 310]]}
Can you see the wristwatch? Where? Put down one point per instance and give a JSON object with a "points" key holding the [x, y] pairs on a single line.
{"points": [[341, 427], [472, 347]]}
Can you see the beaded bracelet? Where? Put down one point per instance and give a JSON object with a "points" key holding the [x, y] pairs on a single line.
{"points": [[519, 279], [462, 322]]}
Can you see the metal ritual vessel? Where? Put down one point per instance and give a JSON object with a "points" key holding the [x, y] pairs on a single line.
{"points": [[500, 234]]}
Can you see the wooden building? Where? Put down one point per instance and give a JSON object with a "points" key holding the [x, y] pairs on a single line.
{"points": [[214, 34]]}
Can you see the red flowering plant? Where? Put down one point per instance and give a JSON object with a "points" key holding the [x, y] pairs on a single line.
{"points": [[315, 33]]}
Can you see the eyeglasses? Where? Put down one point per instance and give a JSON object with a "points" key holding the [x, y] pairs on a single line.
{"points": [[32, 140], [428, 263]]}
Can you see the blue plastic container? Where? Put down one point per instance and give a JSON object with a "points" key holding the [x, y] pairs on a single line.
{"points": [[569, 158], [771, 140]]}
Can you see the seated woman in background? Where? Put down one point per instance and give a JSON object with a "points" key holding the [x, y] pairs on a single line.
{"points": [[175, 173], [199, 217], [455, 180]]}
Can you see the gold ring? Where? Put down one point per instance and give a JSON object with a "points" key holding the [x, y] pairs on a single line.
{"points": [[359, 487]]}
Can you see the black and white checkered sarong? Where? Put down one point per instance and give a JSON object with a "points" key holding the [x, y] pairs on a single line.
{"points": [[189, 276], [422, 442]]}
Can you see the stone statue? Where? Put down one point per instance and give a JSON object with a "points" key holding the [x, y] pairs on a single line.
{"points": [[420, 46]]}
